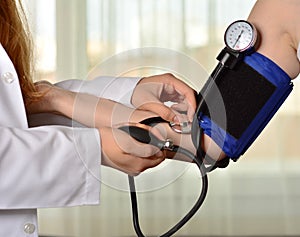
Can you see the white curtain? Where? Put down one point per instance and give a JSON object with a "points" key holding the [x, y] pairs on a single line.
{"points": [[258, 195]]}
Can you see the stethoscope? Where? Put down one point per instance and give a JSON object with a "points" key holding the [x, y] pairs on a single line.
{"points": [[144, 136], [240, 36]]}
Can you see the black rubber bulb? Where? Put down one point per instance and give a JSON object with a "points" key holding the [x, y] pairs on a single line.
{"points": [[142, 135]]}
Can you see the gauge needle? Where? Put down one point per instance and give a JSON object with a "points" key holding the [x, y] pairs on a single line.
{"points": [[238, 38]]}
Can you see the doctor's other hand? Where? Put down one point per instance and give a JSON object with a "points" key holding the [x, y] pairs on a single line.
{"points": [[119, 150], [122, 152], [151, 93]]}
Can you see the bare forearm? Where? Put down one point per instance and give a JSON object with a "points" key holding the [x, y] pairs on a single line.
{"points": [[90, 110]]}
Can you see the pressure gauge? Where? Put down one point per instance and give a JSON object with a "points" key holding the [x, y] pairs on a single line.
{"points": [[240, 36]]}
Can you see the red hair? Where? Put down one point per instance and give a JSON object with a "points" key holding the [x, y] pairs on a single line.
{"points": [[16, 39]]}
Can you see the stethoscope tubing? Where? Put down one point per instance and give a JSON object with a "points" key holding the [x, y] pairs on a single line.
{"points": [[192, 211]]}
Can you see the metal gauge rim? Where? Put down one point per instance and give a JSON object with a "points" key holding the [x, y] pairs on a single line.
{"points": [[235, 26]]}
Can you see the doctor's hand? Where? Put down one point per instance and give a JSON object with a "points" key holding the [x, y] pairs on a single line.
{"points": [[151, 93], [122, 152]]}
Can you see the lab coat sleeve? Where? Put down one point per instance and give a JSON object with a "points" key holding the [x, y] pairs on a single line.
{"points": [[67, 160], [49, 166], [119, 89]]}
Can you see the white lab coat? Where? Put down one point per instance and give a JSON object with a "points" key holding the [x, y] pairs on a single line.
{"points": [[46, 166]]}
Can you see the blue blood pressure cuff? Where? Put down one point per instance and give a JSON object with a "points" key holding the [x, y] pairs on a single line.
{"points": [[242, 102]]}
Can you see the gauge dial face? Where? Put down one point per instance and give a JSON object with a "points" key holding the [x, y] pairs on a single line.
{"points": [[240, 36]]}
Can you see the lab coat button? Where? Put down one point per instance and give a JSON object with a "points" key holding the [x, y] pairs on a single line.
{"points": [[8, 77], [29, 228]]}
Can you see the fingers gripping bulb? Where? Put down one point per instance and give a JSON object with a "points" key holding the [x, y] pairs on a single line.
{"points": [[145, 136]]}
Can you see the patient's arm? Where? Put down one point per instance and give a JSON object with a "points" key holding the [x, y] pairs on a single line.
{"points": [[278, 22], [97, 112]]}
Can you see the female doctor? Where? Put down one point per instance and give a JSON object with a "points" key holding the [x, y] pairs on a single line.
{"points": [[56, 166]]}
